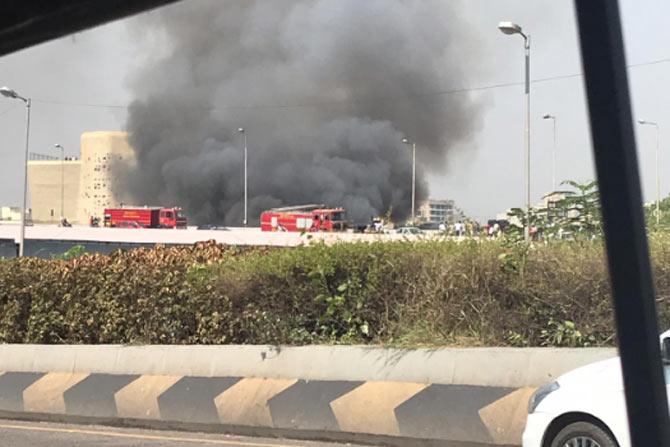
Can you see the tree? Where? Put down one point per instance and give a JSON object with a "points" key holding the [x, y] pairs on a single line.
{"points": [[650, 215], [580, 211], [567, 214]]}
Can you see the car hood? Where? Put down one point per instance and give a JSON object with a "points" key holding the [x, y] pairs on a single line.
{"points": [[604, 374]]}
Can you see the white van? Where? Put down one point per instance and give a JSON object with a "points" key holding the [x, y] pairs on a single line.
{"points": [[584, 408]]}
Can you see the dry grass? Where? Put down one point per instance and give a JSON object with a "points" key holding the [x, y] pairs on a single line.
{"points": [[404, 294]]}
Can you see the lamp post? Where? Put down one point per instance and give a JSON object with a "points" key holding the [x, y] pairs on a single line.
{"points": [[510, 28], [658, 178], [243, 132], [9, 93], [413, 144], [62, 179], [553, 152]]}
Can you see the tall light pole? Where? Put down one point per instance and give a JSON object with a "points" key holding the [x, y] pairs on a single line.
{"points": [[658, 178], [553, 153], [9, 93], [512, 28], [413, 144], [243, 132], [62, 179]]}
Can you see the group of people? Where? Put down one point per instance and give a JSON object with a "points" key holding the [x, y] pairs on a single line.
{"points": [[492, 229], [460, 228]]}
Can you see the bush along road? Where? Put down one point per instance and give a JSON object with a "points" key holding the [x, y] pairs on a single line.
{"points": [[407, 294]]}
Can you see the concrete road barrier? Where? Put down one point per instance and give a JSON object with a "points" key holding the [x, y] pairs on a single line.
{"points": [[232, 236], [442, 396]]}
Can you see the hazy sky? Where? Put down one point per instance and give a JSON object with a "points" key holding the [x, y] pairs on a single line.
{"points": [[483, 176]]}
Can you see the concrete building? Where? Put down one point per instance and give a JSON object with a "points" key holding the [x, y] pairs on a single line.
{"points": [[547, 208], [10, 213], [436, 210], [44, 180], [91, 183], [105, 156]]}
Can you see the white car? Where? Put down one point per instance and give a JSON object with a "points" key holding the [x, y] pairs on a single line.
{"points": [[583, 408], [409, 231]]}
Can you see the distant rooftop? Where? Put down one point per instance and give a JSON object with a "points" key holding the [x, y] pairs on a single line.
{"points": [[34, 156]]}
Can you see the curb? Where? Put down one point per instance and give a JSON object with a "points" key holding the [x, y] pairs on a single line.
{"points": [[507, 367]]}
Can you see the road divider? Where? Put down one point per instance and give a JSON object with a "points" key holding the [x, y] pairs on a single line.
{"points": [[440, 395]]}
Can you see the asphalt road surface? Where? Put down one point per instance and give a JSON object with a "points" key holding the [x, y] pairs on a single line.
{"points": [[38, 434]]}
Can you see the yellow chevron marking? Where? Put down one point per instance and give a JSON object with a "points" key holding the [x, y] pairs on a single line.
{"points": [[139, 399], [370, 408], [506, 417], [46, 394], [246, 402]]}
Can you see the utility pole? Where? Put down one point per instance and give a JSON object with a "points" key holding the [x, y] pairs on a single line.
{"points": [[9, 93], [413, 144], [62, 180], [510, 28], [243, 132], [658, 176]]}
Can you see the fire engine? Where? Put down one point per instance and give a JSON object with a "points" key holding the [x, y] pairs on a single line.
{"points": [[304, 218], [145, 217]]}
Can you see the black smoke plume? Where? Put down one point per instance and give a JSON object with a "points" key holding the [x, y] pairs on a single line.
{"points": [[325, 90]]}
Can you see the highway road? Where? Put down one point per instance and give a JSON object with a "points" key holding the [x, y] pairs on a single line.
{"points": [[232, 236], [39, 434]]}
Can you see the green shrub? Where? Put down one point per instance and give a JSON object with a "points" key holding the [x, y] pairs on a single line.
{"points": [[400, 293]]}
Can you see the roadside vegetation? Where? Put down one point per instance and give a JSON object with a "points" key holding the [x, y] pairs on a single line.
{"points": [[407, 294]]}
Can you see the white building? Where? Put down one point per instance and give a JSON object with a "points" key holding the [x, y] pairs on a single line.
{"points": [[436, 211], [10, 213]]}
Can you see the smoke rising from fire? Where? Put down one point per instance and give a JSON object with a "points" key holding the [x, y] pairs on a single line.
{"points": [[325, 90]]}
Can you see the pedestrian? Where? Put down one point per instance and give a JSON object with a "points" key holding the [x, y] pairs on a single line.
{"points": [[461, 229]]}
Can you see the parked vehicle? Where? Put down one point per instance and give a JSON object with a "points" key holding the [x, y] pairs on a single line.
{"points": [[308, 218], [147, 217], [128, 224], [212, 227], [431, 226], [409, 231], [584, 408]]}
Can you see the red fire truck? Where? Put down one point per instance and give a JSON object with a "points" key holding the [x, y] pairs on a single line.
{"points": [[308, 218], [145, 217]]}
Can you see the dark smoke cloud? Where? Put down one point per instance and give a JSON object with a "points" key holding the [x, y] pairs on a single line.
{"points": [[325, 89]]}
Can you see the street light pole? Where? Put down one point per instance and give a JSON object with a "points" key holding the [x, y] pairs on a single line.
{"points": [[406, 141], [512, 28], [242, 131], [9, 93], [413, 181], [658, 177], [62, 179], [553, 153]]}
